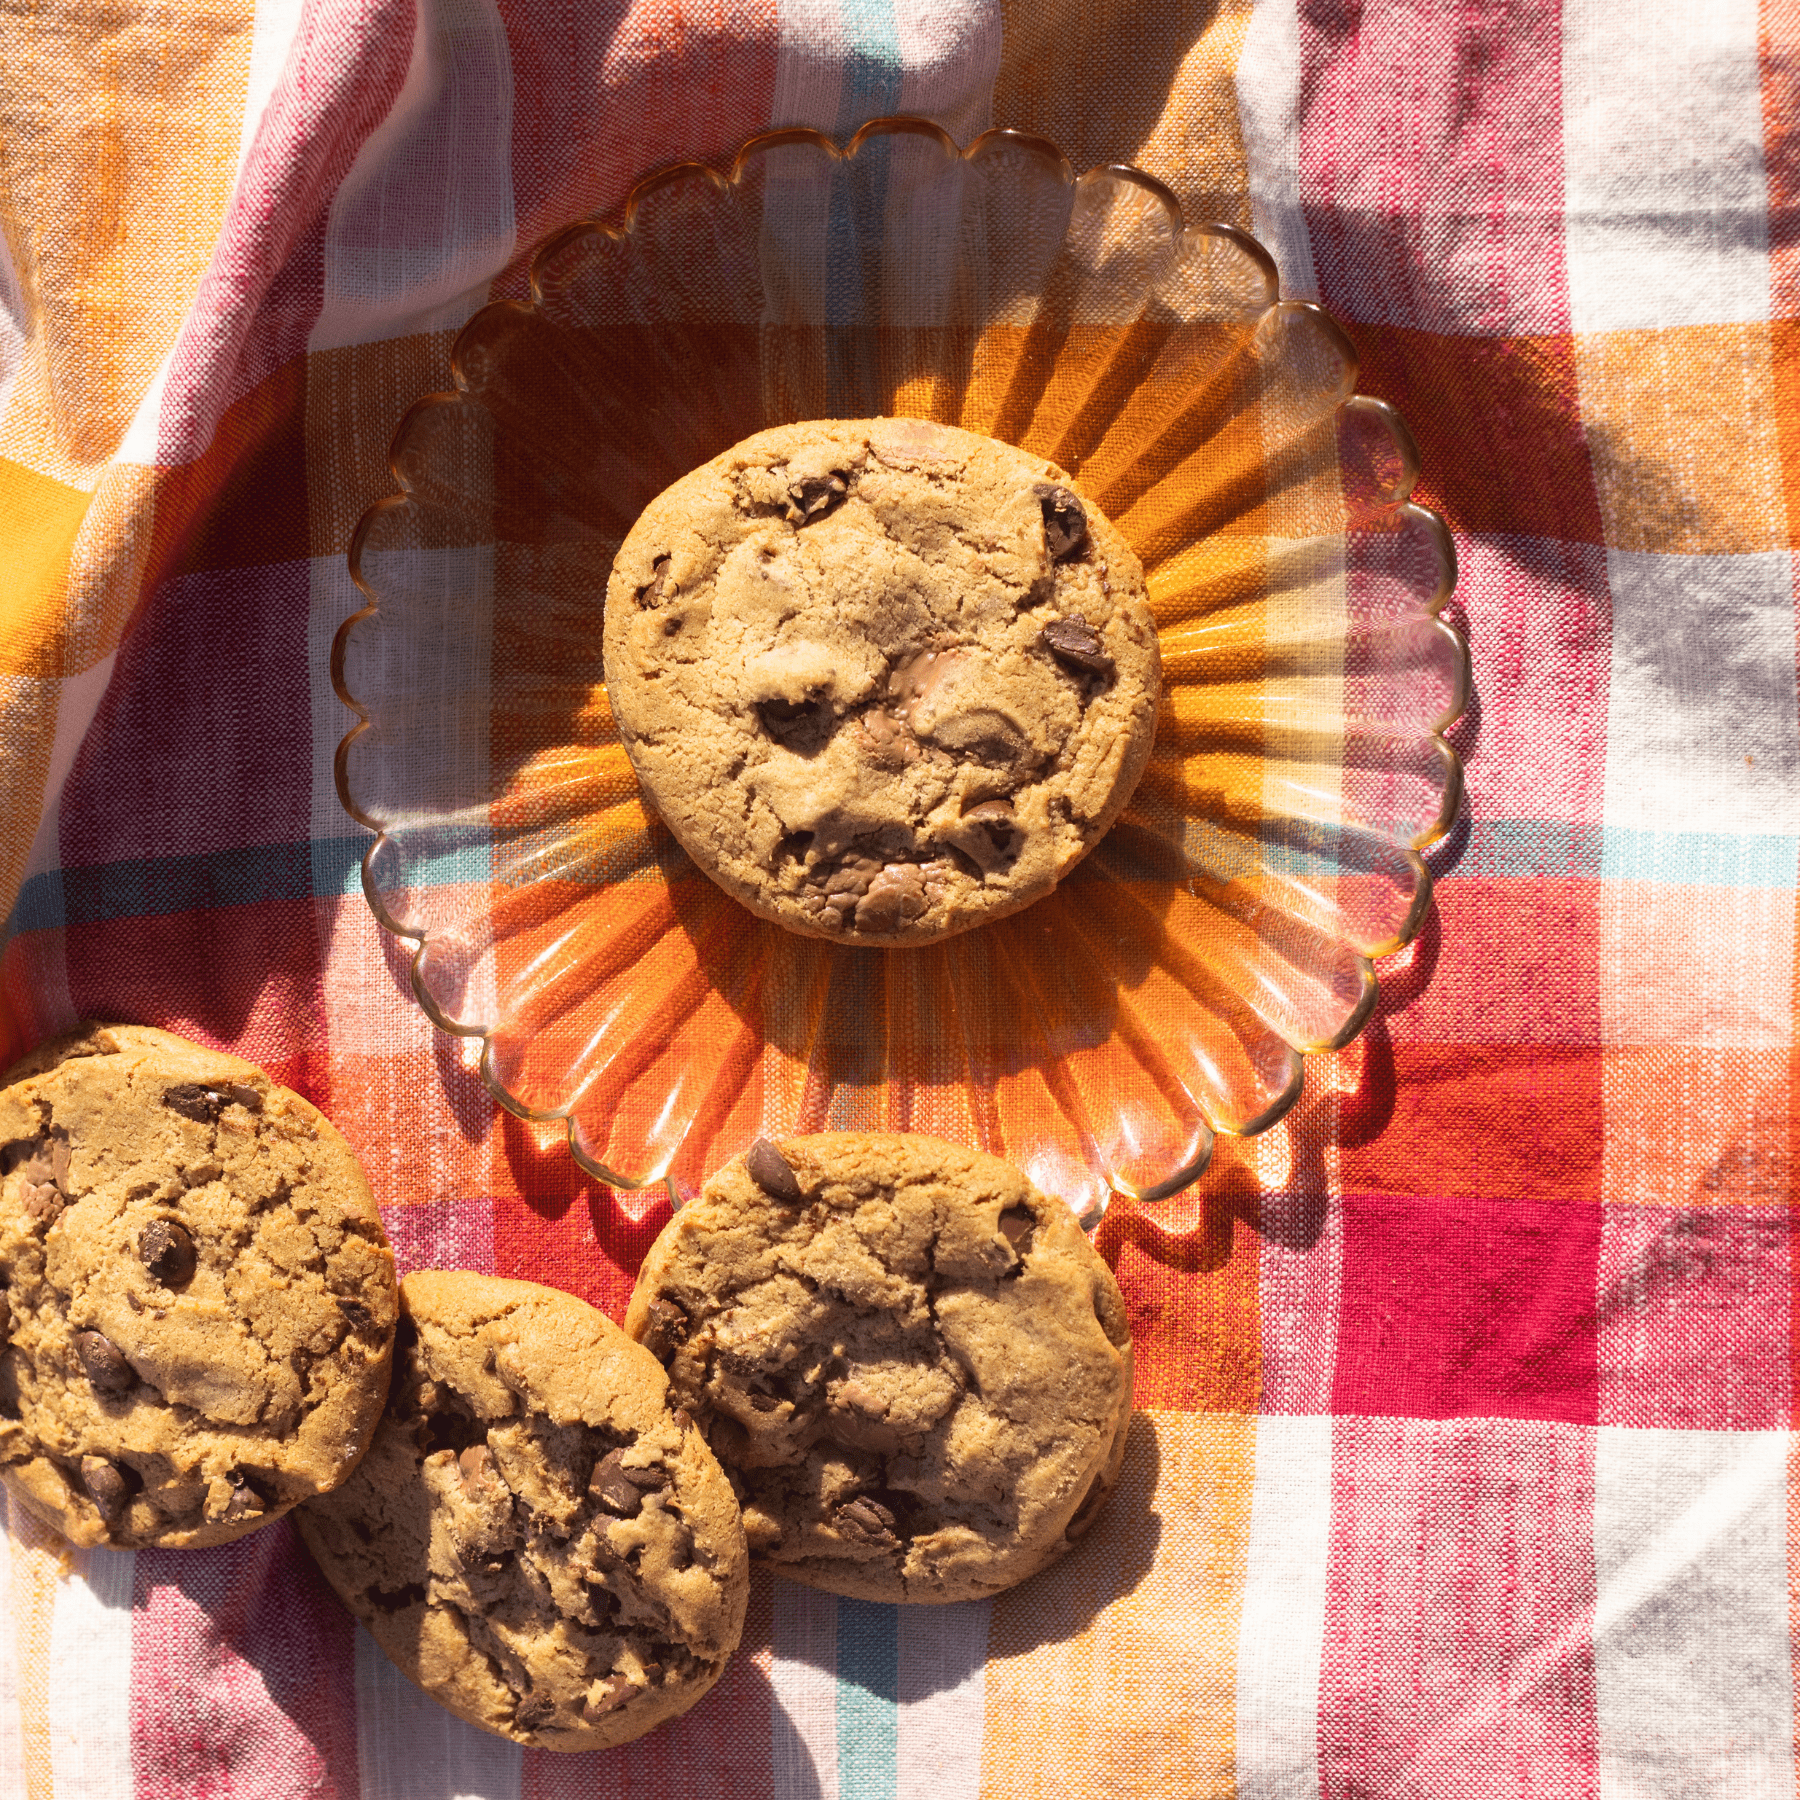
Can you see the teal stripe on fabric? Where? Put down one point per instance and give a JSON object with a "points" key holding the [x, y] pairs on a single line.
{"points": [[868, 1720], [1700, 858], [160, 886], [1495, 850], [872, 68], [871, 88]]}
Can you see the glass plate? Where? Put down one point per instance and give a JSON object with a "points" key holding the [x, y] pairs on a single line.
{"points": [[1171, 987]]}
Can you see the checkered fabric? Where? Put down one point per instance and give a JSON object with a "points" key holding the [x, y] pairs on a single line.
{"points": [[1465, 1464]]}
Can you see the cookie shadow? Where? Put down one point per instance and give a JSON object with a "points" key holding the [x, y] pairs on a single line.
{"points": [[1100, 1570]]}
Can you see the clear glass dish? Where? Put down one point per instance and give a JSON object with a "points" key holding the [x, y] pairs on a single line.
{"points": [[1172, 986]]}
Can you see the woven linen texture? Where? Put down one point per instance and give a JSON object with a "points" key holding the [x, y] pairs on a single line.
{"points": [[1465, 1464]]}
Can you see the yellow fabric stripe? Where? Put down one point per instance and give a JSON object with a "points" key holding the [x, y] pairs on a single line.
{"points": [[39, 520]]}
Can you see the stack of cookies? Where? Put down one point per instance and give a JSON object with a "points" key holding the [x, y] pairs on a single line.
{"points": [[882, 1365]]}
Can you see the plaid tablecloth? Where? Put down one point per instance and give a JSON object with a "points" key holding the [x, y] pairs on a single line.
{"points": [[1465, 1464]]}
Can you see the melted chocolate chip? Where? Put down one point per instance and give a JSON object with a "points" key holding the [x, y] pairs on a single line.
{"points": [[651, 593], [772, 1172], [43, 1204], [1075, 643], [668, 1329], [5, 1318], [476, 1465], [864, 1517], [999, 823], [764, 1403], [897, 895], [610, 1487], [104, 1363], [607, 1696], [245, 1501], [1065, 520], [106, 1487], [166, 1249], [1017, 1224], [192, 1101], [620, 1489], [814, 497], [535, 1710]]}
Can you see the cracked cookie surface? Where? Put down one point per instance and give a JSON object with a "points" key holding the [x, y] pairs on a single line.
{"points": [[534, 1537], [199, 1303], [883, 679], [913, 1364]]}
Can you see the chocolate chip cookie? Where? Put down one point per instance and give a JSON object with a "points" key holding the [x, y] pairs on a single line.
{"points": [[534, 1538], [198, 1308], [912, 1363], [883, 679]]}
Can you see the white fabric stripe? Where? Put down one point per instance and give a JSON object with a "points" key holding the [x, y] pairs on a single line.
{"points": [[1703, 720], [77, 701], [1281, 1636], [89, 1687], [424, 220], [1299, 1277], [272, 34], [12, 1724], [942, 1701], [809, 64], [1667, 198], [410, 1748], [803, 1674], [14, 325], [1268, 90], [949, 61], [1693, 1667], [143, 434]]}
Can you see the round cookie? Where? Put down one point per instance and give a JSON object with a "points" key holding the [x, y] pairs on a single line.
{"points": [[913, 1363], [199, 1303], [534, 1538], [884, 679]]}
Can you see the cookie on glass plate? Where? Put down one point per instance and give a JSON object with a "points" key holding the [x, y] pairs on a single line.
{"points": [[914, 1365], [884, 679], [199, 1304], [535, 1538]]}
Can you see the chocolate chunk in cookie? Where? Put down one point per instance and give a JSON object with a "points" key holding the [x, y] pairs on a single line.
{"points": [[919, 1375], [1077, 643], [772, 1172], [179, 1242], [534, 1537], [1065, 520], [166, 1249]]}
